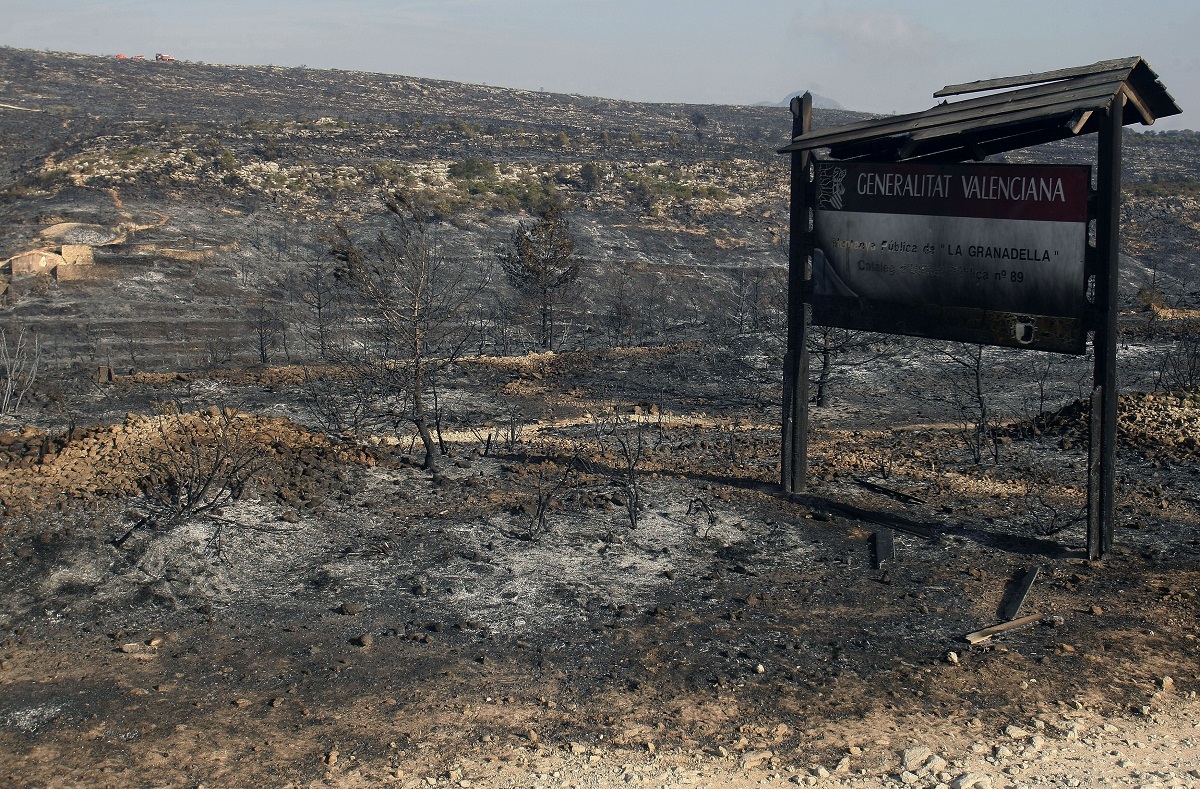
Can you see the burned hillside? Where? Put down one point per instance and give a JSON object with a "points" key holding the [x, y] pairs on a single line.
{"points": [[226, 558]]}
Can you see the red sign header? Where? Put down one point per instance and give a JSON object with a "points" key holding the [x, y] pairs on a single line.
{"points": [[1004, 191]]}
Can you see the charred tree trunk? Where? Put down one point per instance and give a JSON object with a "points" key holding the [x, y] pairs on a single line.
{"points": [[421, 422]]}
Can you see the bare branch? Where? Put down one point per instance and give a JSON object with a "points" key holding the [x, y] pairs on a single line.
{"points": [[19, 364]]}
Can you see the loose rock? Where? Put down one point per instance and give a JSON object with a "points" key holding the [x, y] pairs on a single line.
{"points": [[913, 759], [752, 760], [972, 781]]}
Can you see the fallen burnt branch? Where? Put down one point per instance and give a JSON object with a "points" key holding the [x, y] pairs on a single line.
{"points": [[889, 492]]}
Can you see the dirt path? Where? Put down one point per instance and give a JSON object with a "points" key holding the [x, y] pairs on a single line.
{"points": [[296, 700]]}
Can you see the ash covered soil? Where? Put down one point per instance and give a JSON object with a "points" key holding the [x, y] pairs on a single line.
{"points": [[349, 619], [354, 620]]}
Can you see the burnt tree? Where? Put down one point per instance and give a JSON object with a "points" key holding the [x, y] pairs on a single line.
{"points": [[539, 262], [416, 302]]}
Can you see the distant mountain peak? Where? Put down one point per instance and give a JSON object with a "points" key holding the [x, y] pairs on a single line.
{"points": [[819, 101]]}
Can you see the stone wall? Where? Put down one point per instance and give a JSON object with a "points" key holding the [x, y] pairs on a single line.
{"points": [[78, 254], [91, 273], [30, 264]]}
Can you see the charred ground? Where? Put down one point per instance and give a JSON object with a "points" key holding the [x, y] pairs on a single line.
{"points": [[346, 618]]}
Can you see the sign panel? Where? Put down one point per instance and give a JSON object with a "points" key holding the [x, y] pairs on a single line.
{"points": [[978, 253]]}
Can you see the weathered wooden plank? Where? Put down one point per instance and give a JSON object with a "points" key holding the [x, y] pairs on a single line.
{"points": [[851, 129], [1095, 429], [944, 109], [1021, 112], [1131, 97], [870, 516], [1121, 64], [1062, 89], [886, 491], [1102, 452], [1024, 584], [1079, 120], [794, 443], [1151, 90], [971, 146], [1134, 72], [948, 150], [971, 110], [979, 636], [954, 149], [1057, 89]]}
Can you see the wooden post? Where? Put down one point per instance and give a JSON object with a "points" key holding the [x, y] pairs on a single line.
{"points": [[794, 466], [1102, 446]]}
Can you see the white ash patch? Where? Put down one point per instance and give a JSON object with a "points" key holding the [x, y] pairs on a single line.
{"points": [[30, 720], [247, 551], [585, 561]]}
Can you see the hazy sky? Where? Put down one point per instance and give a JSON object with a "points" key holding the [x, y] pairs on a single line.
{"points": [[873, 55]]}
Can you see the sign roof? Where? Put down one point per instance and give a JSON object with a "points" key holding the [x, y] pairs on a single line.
{"points": [[1012, 112]]}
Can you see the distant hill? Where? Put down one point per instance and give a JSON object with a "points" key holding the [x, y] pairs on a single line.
{"points": [[218, 184]]}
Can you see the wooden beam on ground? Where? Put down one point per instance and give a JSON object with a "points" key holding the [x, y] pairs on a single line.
{"points": [[979, 636], [1024, 584]]}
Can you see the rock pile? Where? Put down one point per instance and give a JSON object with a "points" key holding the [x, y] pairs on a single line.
{"points": [[40, 472], [1164, 426]]}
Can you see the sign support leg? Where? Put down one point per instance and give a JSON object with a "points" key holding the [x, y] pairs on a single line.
{"points": [[794, 465], [1102, 446]]}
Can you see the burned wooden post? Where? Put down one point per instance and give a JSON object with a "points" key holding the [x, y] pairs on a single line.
{"points": [[1102, 444], [883, 548], [794, 463]]}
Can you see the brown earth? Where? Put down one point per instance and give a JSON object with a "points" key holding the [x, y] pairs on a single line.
{"points": [[341, 618], [393, 627]]}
